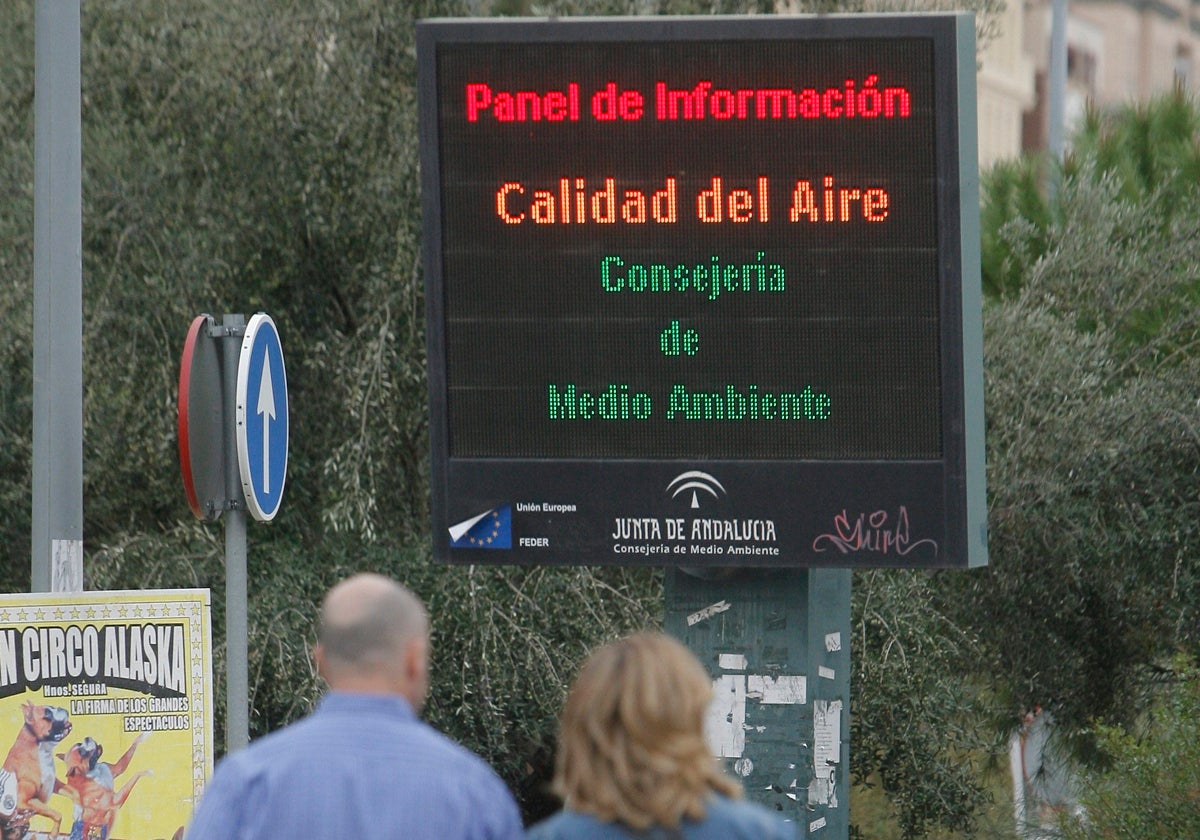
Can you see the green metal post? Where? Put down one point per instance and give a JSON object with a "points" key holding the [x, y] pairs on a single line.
{"points": [[777, 643]]}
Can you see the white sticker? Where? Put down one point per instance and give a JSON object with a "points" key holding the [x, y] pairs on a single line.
{"points": [[66, 566], [708, 612], [779, 691], [724, 725], [826, 673], [833, 642], [827, 751], [819, 822], [732, 662]]}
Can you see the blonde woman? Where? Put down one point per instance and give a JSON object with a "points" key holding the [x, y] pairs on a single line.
{"points": [[632, 758]]}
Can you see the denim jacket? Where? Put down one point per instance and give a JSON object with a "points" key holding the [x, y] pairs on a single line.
{"points": [[725, 819]]}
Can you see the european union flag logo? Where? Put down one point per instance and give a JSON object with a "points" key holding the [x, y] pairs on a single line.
{"points": [[491, 529]]}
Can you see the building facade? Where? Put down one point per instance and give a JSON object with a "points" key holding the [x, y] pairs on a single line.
{"points": [[1118, 52], [1006, 88]]}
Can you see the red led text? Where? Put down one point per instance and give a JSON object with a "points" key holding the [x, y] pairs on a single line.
{"points": [[837, 204], [846, 102], [577, 201], [714, 205], [611, 103], [849, 101], [523, 105], [572, 204]]}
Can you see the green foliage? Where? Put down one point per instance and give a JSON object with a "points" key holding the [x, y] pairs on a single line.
{"points": [[16, 293], [252, 161], [1093, 439], [1151, 785], [1150, 151], [1093, 453], [1150, 147], [912, 728], [1014, 221]]}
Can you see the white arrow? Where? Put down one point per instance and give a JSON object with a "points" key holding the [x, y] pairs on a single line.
{"points": [[266, 407]]}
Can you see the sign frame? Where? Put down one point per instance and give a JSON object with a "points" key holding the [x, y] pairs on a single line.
{"points": [[570, 509], [201, 430]]}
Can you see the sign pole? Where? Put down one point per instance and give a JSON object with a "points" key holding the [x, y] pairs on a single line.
{"points": [[233, 444], [237, 713], [57, 556]]}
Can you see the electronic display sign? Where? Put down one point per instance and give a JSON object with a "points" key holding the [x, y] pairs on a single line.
{"points": [[703, 291]]}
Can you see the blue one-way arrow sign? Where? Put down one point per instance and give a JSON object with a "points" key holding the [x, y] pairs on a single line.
{"points": [[262, 418]]}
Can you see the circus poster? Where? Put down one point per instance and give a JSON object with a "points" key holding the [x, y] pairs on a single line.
{"points": [[105, 713]]}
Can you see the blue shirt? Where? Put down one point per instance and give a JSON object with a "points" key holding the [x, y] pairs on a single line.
{"points": [[361, 766], [724, 819]]}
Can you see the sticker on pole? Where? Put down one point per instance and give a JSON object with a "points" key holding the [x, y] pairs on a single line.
{"points": [[262, 418]]}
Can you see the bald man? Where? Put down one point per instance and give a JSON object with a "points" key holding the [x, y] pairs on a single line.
{"points": [[362, 766]]}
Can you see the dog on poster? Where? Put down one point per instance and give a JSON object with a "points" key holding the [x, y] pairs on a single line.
{"points": [[94, 783], [27, 779]]}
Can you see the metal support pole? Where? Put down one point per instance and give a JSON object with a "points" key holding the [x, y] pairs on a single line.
{"points": [[777, 643], [237, 713], [57, 540], [1057, 80]]}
